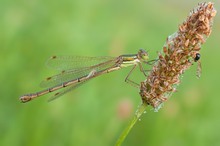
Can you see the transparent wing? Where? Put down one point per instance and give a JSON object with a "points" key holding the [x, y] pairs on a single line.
{"points": [[199, 69], [66, 90], [74, 62], [72, 74]]}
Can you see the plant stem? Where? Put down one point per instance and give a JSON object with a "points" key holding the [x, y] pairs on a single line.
{"points": [[138, 114]]}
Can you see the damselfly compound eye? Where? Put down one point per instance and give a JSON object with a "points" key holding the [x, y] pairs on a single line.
{"points": [[142, 54]]}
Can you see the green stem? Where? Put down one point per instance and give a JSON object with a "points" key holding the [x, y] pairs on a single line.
{"points": [[138, 114]]}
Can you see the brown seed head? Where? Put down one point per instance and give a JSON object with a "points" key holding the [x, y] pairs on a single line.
{"points": [[178, 55]]}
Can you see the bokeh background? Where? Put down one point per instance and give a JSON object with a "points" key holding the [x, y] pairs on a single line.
{"points": [[96, 113]]}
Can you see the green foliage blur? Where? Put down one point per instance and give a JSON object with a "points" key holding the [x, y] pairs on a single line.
{"points": [[96, 113]]}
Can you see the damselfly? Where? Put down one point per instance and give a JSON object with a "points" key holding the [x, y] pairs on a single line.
{"points": [[77, 70]]}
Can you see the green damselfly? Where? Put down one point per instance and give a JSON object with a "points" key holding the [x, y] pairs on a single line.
{"points": [[76, 70]]}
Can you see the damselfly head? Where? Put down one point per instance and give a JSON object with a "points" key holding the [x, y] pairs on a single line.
{"points": [[143, 55]]}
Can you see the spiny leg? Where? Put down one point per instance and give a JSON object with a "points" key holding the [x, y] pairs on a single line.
{"points": [[151, 62], [142, 69], [127, 80]]}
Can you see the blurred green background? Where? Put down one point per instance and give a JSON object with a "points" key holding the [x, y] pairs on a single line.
{"points": [[95, 114]]}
